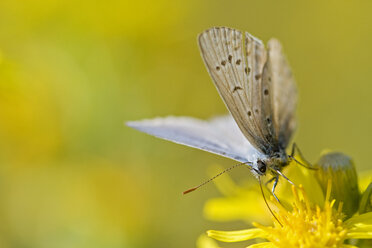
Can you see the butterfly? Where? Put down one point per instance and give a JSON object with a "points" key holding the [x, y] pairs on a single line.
{"points": [[259, 90]]}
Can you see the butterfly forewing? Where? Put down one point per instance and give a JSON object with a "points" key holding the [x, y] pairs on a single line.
{"points": [[235, 63], [284, 93]]}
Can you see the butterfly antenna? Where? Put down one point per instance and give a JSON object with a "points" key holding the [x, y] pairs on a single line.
{"points": [[267, 204], [211, 179]]}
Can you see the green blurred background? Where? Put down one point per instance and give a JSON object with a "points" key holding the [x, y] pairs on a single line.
{"points": [[72, 175]]}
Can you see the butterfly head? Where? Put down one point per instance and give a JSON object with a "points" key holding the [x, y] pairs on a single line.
{"points": [[261, 167], [272, 163]]}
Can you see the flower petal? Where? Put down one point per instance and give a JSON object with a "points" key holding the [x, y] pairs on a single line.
{"points": [[360, 227], [236, 208], [365, 219], [262, 245], [236, 236], [205, 242], [365, 202], [359, 235]]}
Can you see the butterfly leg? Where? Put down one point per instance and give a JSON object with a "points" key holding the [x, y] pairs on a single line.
{"points": [[270, 180], [306, 164], [286, 178], [274, 186], [294, 146]]}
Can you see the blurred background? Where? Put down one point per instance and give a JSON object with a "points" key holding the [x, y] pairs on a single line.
{"points": [[71, 73]]}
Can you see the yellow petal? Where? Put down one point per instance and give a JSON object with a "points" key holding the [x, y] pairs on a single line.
{"points": [[360, 227], [247, 208], [365, 204], [360, 219], [235, 236], [205, 242], [349, 246], [359, 235], [262, 245]]}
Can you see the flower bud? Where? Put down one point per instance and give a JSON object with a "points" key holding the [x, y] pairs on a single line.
{"points": [[366, 200], [340, 169]]}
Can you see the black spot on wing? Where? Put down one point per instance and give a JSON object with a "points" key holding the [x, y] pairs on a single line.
{"points": [[237, 88]]}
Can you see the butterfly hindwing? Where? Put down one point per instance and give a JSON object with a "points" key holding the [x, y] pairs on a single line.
{"points": [[284, 93]]}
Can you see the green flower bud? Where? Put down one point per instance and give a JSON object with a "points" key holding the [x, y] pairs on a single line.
{"points": [[366, 200], [340, 169]]}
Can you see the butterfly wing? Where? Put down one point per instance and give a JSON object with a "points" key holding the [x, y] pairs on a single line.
{"points": [[283, 91], [219, 135], [235, 61]]}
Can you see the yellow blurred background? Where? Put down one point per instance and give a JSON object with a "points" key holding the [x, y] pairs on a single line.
{"points": [[71, 72]]}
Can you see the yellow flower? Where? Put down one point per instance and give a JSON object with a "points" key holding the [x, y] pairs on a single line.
{"points": [[309, 215], [306, 225], [244, 202]]}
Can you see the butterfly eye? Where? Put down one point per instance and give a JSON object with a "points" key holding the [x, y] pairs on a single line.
{"points": [[261, 166]]}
